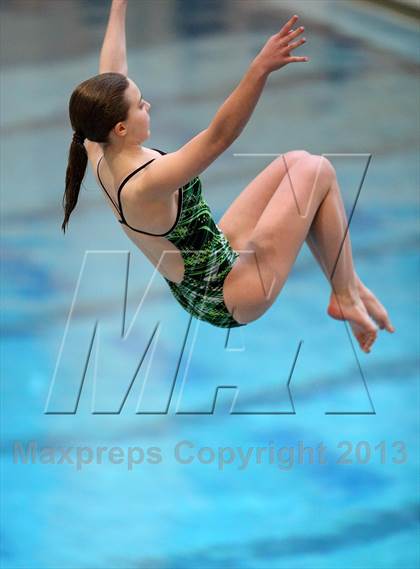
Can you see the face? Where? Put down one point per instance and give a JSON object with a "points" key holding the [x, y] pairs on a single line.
{"points": [[138, 120]]}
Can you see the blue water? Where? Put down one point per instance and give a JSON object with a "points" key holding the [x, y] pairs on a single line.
{"points": [[301, 380]]}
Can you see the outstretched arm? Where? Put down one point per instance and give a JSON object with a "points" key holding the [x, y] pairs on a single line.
{"points": [[113, 55]]}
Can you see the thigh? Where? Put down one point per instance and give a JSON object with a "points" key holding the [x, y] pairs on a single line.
{"points": [[239, 220], [259, 274]]}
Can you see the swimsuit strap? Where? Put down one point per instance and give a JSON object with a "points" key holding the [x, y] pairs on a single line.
{"points": [[180, 198], [119, 205], [123, 220], [99, 178]]}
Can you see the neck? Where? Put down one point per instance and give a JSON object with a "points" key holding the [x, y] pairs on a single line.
{"points": [[112, 153]]}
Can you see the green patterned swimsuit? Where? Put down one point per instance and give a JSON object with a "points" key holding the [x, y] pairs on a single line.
{"points": [[208, 255]]}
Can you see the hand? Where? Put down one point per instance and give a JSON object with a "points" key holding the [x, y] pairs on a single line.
{"points": [[276, 52]]}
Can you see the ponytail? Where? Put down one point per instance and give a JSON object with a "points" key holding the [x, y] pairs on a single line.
{"points": [[75, 173], [95, 107]]}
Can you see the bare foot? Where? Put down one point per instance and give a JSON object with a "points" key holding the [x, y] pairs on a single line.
{"points": [[375, 309], [353, 310]]}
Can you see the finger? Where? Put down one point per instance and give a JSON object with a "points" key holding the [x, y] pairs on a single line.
{"points": [[295, 44], [293, 31], [288, 25], [293, 59], [293, 34]]}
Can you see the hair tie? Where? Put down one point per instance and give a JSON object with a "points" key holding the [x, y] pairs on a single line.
{"points": [[78, 137]]}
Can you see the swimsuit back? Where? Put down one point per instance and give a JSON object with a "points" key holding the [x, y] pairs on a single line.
{"points": [[194, 233]]}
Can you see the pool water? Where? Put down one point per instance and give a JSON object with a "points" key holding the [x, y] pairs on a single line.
{"points": [[277, 445]]}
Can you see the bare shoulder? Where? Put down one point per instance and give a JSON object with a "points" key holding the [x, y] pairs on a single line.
{"points": [[175, 169]]}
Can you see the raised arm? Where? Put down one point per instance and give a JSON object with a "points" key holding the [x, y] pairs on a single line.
{"points": [[236, 111], [175, 169], [113, 55]]}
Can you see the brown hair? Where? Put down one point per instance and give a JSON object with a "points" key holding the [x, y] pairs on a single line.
{"points": [[95, 107]]}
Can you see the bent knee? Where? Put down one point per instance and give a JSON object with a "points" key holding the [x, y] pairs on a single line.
{"points": [[293, 156], [320, 170], [297, 154], [326, 166]]}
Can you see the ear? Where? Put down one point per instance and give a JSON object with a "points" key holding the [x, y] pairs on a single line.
{"points": [[120, 129]]}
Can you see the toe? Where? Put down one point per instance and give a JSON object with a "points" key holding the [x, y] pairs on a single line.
{"points": [[370, 339], [386, 322]]}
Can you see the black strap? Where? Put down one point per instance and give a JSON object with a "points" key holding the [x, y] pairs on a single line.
{"points": [[99, 178], [180, 199], [123, 220], [119, 205]]}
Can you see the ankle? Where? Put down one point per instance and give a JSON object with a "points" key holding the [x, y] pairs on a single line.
{"points": [[348, 295], [362, 288], [358, 281]]}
